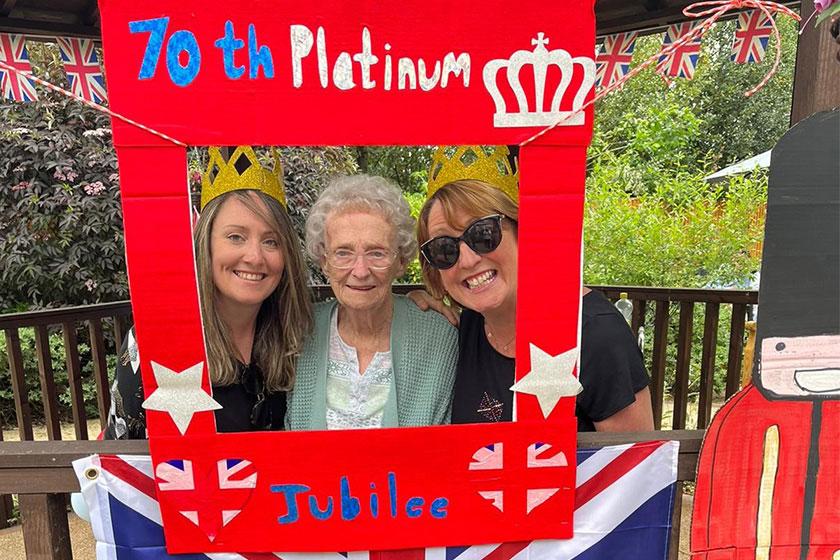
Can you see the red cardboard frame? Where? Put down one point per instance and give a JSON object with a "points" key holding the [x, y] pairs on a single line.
{"points": [[152, 50]]}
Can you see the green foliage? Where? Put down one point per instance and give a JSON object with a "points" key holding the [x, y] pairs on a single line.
{"points": [[61, 237], [727, 126], [405, 165], [415, 201], [686, 233], [59, 367]]}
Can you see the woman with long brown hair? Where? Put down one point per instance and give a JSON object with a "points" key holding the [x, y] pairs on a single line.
{"points": [[255, 303]]}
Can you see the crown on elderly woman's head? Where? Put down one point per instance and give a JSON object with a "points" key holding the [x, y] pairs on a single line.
{"points": [[490, 165], [242, 170]]}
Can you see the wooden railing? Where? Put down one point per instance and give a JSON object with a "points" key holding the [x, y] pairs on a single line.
{"points": [[40, 473], [656, 305], [649, 303], [660, 302]]}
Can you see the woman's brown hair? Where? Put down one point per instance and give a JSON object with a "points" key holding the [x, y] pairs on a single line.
{"points": [[285, 317]]}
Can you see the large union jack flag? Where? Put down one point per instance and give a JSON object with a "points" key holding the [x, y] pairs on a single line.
{"points": [[15, 85], [614, 57], [623, 504], [682, 61], [81, 64], [751, 37]]}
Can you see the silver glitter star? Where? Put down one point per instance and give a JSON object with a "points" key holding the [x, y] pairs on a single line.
{"points": [[550, 378], [180, 394]]}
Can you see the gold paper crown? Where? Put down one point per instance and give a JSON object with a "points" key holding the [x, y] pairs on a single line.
{"points": [[241, 171], [473, 162]]}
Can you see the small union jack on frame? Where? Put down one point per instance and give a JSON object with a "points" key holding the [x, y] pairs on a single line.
{"points": [[15, 85], [613, 59], [751, 37], [81, 64], [682, 62]]}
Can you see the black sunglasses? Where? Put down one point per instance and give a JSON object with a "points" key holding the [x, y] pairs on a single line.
{"points": [[482, 236], [252, 382]]}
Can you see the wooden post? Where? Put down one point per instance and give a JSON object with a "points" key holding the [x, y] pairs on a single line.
{"points": [[816, 83], [46, 533]]}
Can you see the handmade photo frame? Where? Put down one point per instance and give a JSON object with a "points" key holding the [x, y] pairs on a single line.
{"points": [[200, 73]]}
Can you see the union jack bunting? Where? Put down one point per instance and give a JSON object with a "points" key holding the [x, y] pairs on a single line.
{"points": [[751, 37], [15, 86], [624, 498], [613, 59], [82, 68], [682, 62]]}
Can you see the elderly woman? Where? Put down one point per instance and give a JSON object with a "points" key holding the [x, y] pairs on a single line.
{"points": [[255, 304], [468, 235], [375, 359]]}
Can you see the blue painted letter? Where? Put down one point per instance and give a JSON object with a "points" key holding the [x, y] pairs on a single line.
{"points": [[438, 508], [290, 492], [349, 504], [392, 493], [316, 511], [414, 506], [229, 45], [156, 28], [182, 41], [258, 56]]}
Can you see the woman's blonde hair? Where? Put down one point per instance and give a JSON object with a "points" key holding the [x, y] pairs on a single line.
{"points": [[476, 199], [285, 317]]}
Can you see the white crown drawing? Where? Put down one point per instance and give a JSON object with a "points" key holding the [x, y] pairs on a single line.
{"points": [[535, 114]]}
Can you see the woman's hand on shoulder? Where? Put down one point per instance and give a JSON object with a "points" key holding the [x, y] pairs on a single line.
{"points": [[425, 302]]}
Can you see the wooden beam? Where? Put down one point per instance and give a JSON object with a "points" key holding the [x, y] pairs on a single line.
{"points": [[46, 534], [36, 28], [6, 7], [815, 82], [619, 16]]}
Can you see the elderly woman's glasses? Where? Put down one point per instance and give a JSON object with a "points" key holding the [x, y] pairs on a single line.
{"points": [[482, 236], [376, 259]]}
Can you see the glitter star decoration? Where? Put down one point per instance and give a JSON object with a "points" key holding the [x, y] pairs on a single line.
{"points": [[179, 393], [550, 378]]}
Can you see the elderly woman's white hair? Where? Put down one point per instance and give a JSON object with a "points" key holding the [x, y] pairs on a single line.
{"points": [[361, 193]]}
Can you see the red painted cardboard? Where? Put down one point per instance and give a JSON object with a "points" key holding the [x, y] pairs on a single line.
{"points": [[162, 84]]}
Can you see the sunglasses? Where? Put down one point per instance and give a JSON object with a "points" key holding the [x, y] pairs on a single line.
{"points": [[482, 236], [252, 382]]}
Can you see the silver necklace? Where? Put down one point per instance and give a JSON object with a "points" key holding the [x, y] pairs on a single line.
{"points": [[495, 342]]}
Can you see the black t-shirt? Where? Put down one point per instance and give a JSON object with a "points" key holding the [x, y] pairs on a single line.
{"points": [[127, 417], [483, 376], [612, 370]]}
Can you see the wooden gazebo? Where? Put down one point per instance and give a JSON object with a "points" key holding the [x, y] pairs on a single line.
{"points": [[40, 471]]}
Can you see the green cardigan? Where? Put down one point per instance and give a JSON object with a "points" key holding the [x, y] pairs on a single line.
{"points": [[424, 352]]}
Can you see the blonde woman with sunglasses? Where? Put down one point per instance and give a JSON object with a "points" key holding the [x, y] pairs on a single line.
{"points": [[467, 232], [375, 359]]}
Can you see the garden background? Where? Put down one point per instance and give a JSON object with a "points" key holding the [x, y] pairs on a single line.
{"points": [[651, 219]]}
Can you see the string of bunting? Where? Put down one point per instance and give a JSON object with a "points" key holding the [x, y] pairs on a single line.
{"points": [[85, 85], [712, 10], [91, 104]]}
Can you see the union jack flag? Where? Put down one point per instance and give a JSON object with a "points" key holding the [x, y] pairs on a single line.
{"points": [[682, 61], [15, 85], [81, 64], [614, 57], [623, 503], [751, 37]]}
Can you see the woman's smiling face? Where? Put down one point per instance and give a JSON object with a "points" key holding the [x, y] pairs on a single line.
{"points": [[246, 256], [480, 282]]}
